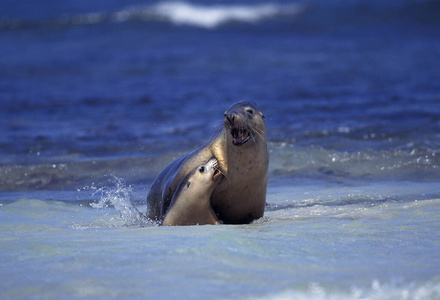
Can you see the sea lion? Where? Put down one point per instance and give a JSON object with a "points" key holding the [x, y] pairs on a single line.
{"points": [[191, 202], [241, 150]]}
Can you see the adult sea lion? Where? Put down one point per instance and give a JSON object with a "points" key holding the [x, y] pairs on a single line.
{"points": [[241, 151], [191, 202]]}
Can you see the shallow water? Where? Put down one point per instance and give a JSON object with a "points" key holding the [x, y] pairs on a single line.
{"points": [[319, 249], [96, 98]]}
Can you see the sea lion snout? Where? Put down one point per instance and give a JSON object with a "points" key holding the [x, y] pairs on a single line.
{"points": [[237, 125], [213, 167], [235, 119], [230, 118]]}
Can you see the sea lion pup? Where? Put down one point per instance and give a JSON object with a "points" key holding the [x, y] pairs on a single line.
{"points": [[191, 201], [241, 150]]}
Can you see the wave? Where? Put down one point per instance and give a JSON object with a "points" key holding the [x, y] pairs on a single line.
{"points": [[418, 164], [308, 15], [178, 13], [213, 16], [286, 161], [396, 289]]}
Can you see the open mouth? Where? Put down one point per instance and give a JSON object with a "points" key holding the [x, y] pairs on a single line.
{"points": [[240, 136], [217, 174]]}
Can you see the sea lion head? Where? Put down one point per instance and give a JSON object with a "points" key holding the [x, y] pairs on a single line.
{"points": [[202, 178], [191, 201], [245, 123]]}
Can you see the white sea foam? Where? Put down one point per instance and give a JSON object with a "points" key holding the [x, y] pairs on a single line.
{"points": [[213, 16], [185, 13], [174, 12], [377, 291]]}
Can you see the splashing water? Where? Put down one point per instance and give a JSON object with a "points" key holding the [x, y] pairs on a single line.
{"points": [[119, 195]]}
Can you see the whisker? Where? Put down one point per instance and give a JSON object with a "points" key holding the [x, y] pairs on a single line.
{"points": [[216, 130], [251, 134], [261, 135]]}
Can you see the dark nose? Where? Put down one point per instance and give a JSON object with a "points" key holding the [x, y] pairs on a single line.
{"points": [[230, 117]]}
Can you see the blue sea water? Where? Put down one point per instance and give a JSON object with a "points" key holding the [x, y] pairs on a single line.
{"points": [[97, 97]]}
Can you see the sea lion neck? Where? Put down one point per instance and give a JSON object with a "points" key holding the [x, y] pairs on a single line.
{"points": [[218, 150]]}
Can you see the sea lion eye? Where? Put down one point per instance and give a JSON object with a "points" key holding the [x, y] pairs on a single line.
{"points": [[202, 169], [250, 111], [188, 184]]}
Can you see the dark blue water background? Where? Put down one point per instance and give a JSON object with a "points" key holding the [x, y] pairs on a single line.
{"points": [[77, 84]]}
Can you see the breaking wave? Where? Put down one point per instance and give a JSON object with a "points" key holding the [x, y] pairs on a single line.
{"points": [[377, 291], [415, 164], [418, 164], [177, 13], [314, 14], [213, 16]]}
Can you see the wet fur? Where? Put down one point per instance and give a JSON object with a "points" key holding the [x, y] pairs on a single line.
{"points": [[240, 197]]}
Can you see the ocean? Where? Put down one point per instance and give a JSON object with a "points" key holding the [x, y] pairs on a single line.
{"points": [[97, 97]]}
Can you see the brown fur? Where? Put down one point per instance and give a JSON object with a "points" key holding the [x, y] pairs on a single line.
{"points": [[191, 201], [240, 197]]}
